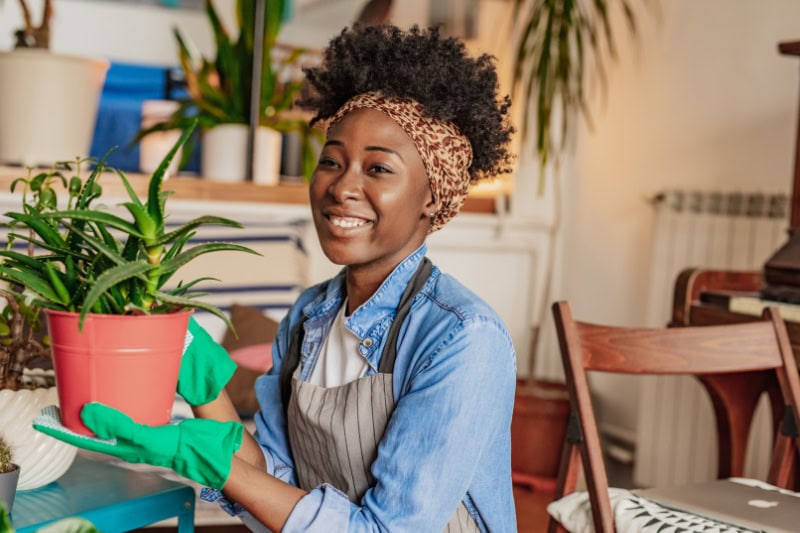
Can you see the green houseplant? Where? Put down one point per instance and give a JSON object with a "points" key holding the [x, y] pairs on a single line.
{"points": [[9, 474], [97, 271], [557, 40], [27, 382], [221, 89]]}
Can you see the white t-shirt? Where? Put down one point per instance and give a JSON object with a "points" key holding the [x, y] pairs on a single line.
{"points": [[339, 361]]}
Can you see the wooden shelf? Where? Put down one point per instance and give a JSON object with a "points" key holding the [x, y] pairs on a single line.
{"points": [[482, 199]]}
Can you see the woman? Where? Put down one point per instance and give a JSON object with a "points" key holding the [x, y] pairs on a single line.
{"points": [[389, 404]]}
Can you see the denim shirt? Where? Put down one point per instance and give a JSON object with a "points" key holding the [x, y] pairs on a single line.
{"points": [[448, 438]]}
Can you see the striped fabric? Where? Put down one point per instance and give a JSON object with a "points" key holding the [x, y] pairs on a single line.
{"points": [[334, 434]]}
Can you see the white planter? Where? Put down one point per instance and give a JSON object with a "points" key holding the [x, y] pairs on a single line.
{"points": [[153, 147], [41, 458], [224, 155], [48, 106]]}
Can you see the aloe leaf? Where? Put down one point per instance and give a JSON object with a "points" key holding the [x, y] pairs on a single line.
{"points": [[154, 206], [57, 284], [185, 287], [71, 274], [108, 279], [33, 282], [147, 226], [25, 260], [132, 248], [196, 222], [111, 254], [101, 217], [178, 245], [184, 301], [127, 184], [44, 230], [87, 191], [58, 251], [188, 255]]}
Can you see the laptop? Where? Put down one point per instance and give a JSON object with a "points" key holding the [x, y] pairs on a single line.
{"points": [[738, 504]]}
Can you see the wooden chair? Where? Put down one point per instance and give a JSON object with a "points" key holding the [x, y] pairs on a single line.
{"points": [[737, 357]]}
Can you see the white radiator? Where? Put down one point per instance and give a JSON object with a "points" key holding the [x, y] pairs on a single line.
{"points": [[730, 231]]}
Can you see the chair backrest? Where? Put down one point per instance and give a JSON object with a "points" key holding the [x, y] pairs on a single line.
{"points": [[735, 362]]}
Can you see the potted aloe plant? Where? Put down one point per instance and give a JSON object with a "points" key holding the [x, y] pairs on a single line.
{"points": [[117, 333], [221, 90]]}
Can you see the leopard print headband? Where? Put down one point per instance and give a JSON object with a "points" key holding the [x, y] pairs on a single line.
{"points": [[446, 153]]}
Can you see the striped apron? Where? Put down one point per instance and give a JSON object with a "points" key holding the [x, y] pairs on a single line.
{"points": [[334, 432]]}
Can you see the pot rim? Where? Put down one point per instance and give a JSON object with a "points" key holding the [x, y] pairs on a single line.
{"points": [[38, 52], [16, 469], [105, 316]]}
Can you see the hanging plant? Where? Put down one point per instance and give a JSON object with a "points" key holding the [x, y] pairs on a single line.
{"points": [[558, 41]]}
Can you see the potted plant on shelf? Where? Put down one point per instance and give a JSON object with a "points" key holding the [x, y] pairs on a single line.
{"points": [[220, 94], [46, 120], [9, 474], [117, 333]]}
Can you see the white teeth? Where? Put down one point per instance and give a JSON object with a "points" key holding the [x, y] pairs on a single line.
{"points": [[347, 222]]}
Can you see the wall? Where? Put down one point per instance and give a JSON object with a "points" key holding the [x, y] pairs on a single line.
{"points": [[703, 100], [124, 31]]}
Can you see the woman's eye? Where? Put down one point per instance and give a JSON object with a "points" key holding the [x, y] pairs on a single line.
{"points": [[380, 169], [326, 162]]}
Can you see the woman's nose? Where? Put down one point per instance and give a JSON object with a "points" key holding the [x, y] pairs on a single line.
{"points": [[347, 185]]}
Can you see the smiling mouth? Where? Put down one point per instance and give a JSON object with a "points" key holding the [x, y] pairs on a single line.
{"points": [[347, 222]]}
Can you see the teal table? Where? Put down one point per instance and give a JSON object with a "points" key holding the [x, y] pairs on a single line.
{"points": [[113, 498]]}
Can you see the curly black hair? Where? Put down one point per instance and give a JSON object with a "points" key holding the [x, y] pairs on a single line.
{"points": [[435, 71]]}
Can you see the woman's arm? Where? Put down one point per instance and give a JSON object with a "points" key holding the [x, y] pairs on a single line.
{"points": [[222, 409], [268, 499]]}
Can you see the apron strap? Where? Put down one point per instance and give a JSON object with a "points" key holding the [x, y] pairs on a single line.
{"points": [[292, 359], [414, 286]]}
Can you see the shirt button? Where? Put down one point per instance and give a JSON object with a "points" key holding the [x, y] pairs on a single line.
{"points": [[367, 342]]}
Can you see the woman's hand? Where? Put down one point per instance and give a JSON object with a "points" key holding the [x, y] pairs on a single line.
{"points": [[198, 449], [205, 367]]}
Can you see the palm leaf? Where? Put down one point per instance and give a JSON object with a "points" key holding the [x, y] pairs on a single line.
{"points": [[551, 60]]}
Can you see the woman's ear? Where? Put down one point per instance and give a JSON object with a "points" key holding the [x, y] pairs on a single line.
{"points": [[431, 207]]}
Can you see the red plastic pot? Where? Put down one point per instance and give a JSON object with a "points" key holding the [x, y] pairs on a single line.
{"points": [[128, 362]]}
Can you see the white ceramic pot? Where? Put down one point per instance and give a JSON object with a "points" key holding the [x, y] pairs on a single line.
{"points": [[153, 147], [41, 458], [224, 155], [48, 105]]}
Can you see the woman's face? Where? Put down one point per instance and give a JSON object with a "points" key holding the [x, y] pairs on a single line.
{"points": [[370, 197]]}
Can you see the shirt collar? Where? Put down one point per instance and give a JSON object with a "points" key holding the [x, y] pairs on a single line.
{"points": [[380, 304]]}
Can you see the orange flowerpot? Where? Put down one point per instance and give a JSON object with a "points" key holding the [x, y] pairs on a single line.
{"points": [[538, 429], [128, 362]]}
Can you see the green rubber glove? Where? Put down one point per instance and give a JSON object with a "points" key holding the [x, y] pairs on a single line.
{"points": [[205, 367], [196, 448]]}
